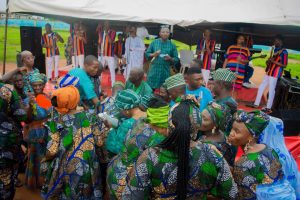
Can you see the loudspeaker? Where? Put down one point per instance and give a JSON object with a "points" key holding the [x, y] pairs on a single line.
{"points": [[31, 39], [290, 120], [40, 63], [91, 48]]}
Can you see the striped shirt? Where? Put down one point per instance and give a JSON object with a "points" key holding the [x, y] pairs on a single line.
{"points": [[78, 45], [108, 48], [48, 39], [231, 55], [119, 48], [280, 56], [206, 56]]}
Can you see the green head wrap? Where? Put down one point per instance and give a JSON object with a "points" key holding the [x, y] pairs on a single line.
{"points": [[174, 81], [37, 77], [224, 75], [127, 99], [220, 115], [158, 116], [255, 121]]}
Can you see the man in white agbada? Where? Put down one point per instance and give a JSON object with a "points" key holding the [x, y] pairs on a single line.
{"points": [[134, 52]]}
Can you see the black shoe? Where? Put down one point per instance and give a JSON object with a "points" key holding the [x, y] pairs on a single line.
{"points": [[266, 110]]}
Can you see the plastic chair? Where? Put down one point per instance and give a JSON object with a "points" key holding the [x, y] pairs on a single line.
{"points": [[186, 57]]}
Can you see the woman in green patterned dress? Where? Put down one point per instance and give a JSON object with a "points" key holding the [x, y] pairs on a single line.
{"points": [[216, 126], [180, 168], [127, 102], [146, 132], [260, 165], [27, 70], [71, 164], [11, 114]]}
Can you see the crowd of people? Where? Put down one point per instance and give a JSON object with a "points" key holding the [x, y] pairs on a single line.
{"points": [[170, 137]]}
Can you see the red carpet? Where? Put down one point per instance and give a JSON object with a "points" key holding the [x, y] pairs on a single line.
{"points": [[293, 145], [248, 95]]}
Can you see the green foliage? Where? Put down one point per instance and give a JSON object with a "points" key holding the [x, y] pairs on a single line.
{"points": [[293, 64], [14, 45]]}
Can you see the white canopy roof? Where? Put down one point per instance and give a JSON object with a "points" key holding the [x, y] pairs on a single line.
{"points": [[2, 6], [172, 12]]}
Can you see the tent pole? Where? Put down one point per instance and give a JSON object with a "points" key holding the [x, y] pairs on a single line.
{"points": [[192, 35], [5, 37]]}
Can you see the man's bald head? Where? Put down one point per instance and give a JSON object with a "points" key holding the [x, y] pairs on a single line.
{"points": [[136, 76], [92, 66]]}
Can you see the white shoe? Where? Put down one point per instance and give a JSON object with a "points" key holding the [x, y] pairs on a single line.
{"points": [[249, 85]]}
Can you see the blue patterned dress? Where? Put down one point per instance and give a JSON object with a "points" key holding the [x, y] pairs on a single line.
{"points": [[35, 134], [72, 169]]}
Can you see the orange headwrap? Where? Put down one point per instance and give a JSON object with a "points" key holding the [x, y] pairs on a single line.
{"points": [[67, 98]]}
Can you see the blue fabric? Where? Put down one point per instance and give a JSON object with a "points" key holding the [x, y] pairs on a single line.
{"points": [[206, 96], [68, 80], [273, 137], [40, 113], [280, 190], [248, 73], [86, 87]]}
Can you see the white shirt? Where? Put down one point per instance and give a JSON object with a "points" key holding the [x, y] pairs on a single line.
{"points": [[134, 52]]}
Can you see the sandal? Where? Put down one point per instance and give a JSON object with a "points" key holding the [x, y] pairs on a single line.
{"points": [[266, 110]]}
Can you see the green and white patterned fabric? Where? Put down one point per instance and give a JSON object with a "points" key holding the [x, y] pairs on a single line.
{"points": [[224, 75]]}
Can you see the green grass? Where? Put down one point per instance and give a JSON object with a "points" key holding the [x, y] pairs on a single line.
{"points": [[294, 67], [13, 43], [294, 56], [13, 46]]}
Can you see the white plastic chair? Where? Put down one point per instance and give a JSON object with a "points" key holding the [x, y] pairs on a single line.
{"points": [[186, 57]]}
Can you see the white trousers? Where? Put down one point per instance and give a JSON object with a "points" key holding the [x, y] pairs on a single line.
{"points": [[78, 61], [50, 62], [110, 61], [205, 74], [271, 81]]}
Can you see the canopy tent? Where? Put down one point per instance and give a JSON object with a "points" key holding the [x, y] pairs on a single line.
{"points": [[260, 18], [172, 12], [2, 6]]}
